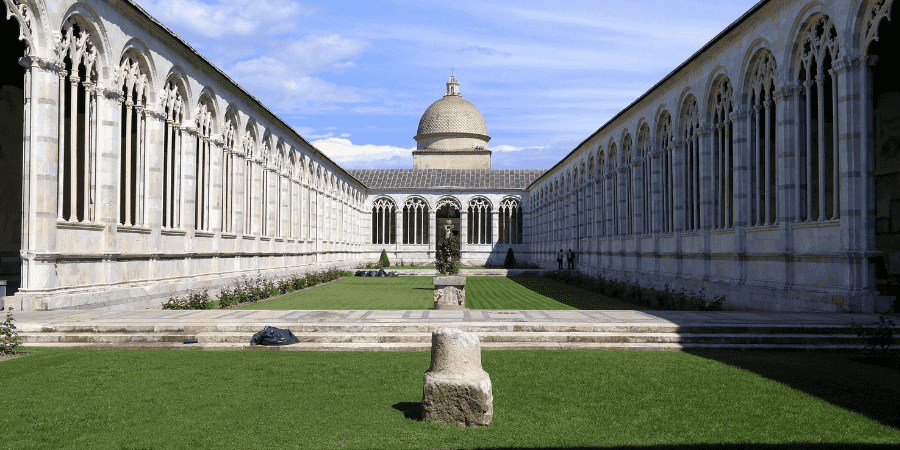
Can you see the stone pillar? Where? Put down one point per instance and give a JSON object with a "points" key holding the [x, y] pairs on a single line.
{"points": [[40, 153], [434, 229], [457, 390]]}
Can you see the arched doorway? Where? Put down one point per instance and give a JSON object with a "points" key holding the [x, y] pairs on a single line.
{"points": [[12, 102], [447, 215], [885, 119]]}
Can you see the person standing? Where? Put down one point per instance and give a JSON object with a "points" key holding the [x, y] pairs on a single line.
{"points": [[571, 257], [559, 259]]}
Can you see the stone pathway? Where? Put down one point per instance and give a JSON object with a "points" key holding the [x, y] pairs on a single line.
{"points": [[37, 320]]}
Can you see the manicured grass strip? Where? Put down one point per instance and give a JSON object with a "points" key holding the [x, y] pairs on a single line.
{"points": [[572, 296], [503, 293], [358, 293], [111, 399]]}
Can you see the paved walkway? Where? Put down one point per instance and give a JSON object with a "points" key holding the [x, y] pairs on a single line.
{"points": [[31, 321]]}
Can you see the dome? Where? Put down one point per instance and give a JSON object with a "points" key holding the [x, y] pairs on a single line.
{"points": [[452, 114]]}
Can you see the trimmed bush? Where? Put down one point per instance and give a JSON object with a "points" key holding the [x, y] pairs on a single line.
{"points": [[384, 261], [510, 259]]}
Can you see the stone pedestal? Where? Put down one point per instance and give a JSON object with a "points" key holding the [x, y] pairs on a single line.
{"points": [[449, 292], [457, 390]]}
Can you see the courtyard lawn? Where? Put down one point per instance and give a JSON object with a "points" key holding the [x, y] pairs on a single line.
{"points": [[358, 293], [135, 399], [417, 293]]}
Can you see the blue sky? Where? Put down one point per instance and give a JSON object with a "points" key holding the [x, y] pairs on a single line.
{"points": [[353, 78]]}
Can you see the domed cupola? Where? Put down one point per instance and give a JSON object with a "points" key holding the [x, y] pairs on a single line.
{"points": [[452, 134]]}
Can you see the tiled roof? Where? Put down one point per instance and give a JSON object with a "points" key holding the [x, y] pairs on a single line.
{"points": [[450, 178], [452, 114]]}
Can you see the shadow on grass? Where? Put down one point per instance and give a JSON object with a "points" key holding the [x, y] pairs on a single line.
{"points": [[863, 383], [793, 446], [573, 296], [413, 411], [410, 410]]}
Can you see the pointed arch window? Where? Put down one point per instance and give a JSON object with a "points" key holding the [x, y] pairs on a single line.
{"points": [[763, 144], [172, 141], [384, 222], [479, 223], [664, 140], [690, 128], [249, 145], [818, 118], [614, 190], [628, 184], [78, 124], [415, 221], [510, 221], [644, 146], [723, 156], [202, 164], [132, 82], [228, 173]]}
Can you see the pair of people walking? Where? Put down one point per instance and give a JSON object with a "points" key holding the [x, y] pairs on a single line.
{"points": [[569, 256]]}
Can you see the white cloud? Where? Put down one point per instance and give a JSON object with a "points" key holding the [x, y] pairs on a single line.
{"points": [[281, 76], [368, 156], [228, 17]]}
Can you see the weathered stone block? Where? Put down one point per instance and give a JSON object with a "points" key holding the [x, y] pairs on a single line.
{"points": [[457, 390], [449, 292]]}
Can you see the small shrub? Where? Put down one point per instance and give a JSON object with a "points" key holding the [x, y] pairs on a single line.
{"points": [[9, 339], [384, 261], [881, 336], [510, 261]]}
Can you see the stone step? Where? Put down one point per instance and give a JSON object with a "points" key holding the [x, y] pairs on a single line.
{"points": [[480, 327], [500, 338], [379, 346]]}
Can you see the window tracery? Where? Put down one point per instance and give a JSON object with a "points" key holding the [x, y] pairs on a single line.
{"points": [[664, 141], [172, 150], [415, 221], [78, 123], [644, 147], [690, 131], [723, 156], [510, 221], [132, 83], [879, 10], [818, 101], [384, 221], [202, 163], [479, 224], [628, 179]]}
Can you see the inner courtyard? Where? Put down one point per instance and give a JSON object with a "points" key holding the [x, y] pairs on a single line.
{"points": [[764, 169]]}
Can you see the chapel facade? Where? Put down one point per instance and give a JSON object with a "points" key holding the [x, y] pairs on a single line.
{"points": [[765, 168]]}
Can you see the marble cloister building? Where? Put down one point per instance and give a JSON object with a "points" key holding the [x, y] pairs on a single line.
{"points": [[765, 168]]}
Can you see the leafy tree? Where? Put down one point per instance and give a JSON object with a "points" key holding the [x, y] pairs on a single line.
{"points": [[448, 256]]}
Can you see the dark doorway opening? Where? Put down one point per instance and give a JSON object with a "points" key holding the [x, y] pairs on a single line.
{"points": [[886, 135], [12, 103]]}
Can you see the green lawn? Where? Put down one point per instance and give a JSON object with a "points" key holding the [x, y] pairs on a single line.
{"points": [[141, 399], [417, 293]]}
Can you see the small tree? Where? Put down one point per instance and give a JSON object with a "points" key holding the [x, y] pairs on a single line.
{"points": [[384, 261], [9, 339], [448, 256], [510, 259]]}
